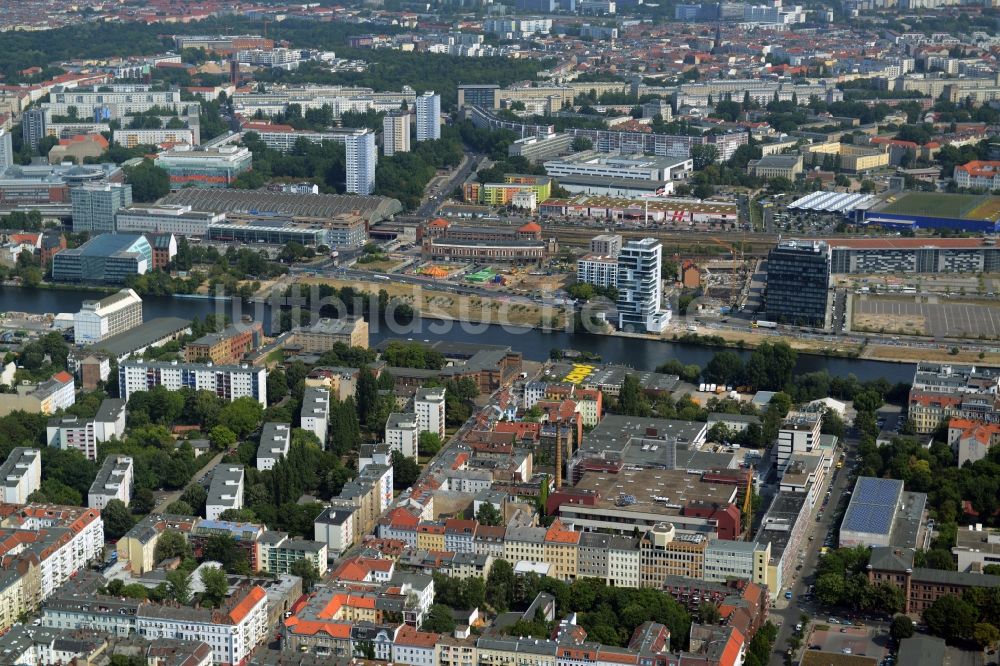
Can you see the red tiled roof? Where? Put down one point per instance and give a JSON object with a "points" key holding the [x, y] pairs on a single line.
{"points": [[247, 604]]}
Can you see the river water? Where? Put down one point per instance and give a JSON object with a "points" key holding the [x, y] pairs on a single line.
{"points": [[534, 344]]}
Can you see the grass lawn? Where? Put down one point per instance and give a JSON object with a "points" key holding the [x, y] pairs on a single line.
{"points": [[934, 204]]}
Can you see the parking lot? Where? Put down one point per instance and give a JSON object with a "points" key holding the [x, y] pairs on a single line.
{"points": [[857, 641], [901, 315]]}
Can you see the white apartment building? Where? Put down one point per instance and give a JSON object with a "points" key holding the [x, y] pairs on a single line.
{"points": [[21, 474], [113, 482], [362, 157], [284, 137], [99, 320], [428, 116], [280, 58], [639, 287], [71, 432], [226, 381], [600, 271], [799, 433], [166, 219], [428, 404], [414, 648], [396, 133], [335, 528], [315, 414], [275, 440], [130, 138], [225, 492], [232, 632], [112, 101], [402, 433]]}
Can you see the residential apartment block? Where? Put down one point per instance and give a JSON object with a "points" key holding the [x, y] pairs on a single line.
{"points": [[402, 433], [275, 441], [322, 335], [315, 415], [113, 482], [943, 391], [429, 406], [226, 490], [227, 347], [229, 382], [72, 432], [21, 474]]}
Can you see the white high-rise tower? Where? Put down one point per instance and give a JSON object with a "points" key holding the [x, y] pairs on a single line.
{"points": [[428, 116], [361, 160]]}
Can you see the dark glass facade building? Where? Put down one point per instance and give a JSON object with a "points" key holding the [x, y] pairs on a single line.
{"points": [[798, 281]]}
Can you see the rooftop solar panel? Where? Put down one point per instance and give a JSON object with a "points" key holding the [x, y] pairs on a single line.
{"points": [[873, 505]]}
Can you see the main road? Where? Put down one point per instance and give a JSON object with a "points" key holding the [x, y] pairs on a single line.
{"points": [[786, 613]]}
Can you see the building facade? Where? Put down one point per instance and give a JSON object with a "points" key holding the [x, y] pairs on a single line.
{"points": [[798, 282], [428, 116], [99, 320], [639, 288], [229, 382], [95, 206]]}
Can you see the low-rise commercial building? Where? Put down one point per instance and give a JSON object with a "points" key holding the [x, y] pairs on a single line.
{"points": [[776, 166], [104, 259], [181, 220], [881, 513], [204, 167], [99, 320]]}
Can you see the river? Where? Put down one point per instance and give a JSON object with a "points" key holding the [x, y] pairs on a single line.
{"points": [[535, 345]]}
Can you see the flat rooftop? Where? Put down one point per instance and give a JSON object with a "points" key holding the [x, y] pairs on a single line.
{"points": [[142, 335], [654, 490], [664, 205], [281, 203], [662, 443]]}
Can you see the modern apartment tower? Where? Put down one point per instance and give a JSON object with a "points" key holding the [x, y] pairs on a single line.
{"points": [[798, 282], [33, 127], [396, 133], [6, 150], [95, 206], [639, 293], [361, 160], [428, 116]]}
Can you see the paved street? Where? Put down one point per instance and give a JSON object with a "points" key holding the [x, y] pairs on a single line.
{"points": [[167, 498], [786, 613]]}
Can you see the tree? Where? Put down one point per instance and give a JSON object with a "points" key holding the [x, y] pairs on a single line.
{"points": [[149, 182], [581, 143], [703, 155], [951, 618], [143, 501], [439, 620], [405, 471], [986, 635], [901, 627], [277, 387], [179, 586], [429, 443], [489, 515], [708, 613], [178, 508], [867, 186], [216, 586], [632, 399], [726, 367], [306, 570], [171, 544], [223, 549], [500, 586], [222, 438], [242, 415], [117, 519], [195, 496]]}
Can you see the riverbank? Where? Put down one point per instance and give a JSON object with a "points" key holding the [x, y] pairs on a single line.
{"points": [[431, 303], [445, 305]]}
